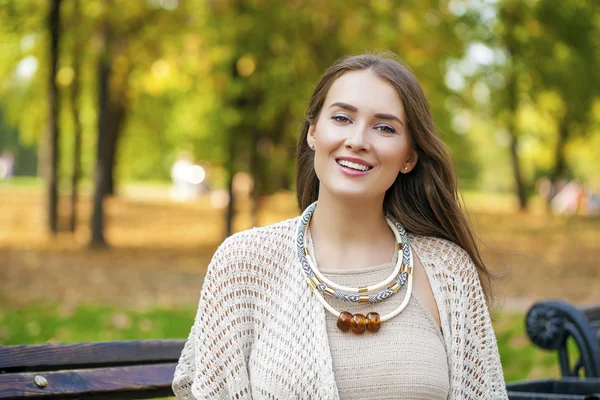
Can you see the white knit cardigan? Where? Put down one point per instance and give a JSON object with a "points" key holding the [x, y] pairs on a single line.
{"points": [[260, 332]]}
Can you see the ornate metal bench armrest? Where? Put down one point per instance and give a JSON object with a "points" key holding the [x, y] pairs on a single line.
{"points": [[550, 323]]}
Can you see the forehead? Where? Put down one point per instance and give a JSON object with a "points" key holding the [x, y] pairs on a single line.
{"points": [[367, 92]]}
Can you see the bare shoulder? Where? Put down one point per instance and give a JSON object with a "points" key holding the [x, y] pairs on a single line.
{"points": [[422, 288]]}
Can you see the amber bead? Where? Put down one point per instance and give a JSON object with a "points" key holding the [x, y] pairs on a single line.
{"points": [[344, 321], [373, 322], [359, 323]]}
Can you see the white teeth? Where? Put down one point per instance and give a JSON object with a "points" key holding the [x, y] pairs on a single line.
{"points": [[353, 165]]}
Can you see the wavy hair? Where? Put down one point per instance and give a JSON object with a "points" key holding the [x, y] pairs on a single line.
{"points": [[426, 200]]}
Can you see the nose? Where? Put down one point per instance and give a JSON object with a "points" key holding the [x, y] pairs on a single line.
{"points": [[358, 140]]}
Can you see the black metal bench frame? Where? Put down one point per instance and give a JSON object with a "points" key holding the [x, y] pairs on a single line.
{"points": [[115, 370], [551, 323]]}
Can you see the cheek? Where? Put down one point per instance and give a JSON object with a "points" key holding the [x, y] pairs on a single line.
{"points": [[327, 137], [321, 159], [393, 156], [327, 143]]}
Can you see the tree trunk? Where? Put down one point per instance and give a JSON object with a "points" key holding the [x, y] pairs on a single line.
{"points": [[256, 177], [230, 174], [103, 150], [53, 101], [513, 105], [516, 167], [76, 123], [118, 112], [110, 179], [560, 164]]}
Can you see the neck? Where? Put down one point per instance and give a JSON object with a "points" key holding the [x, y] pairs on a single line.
{"points": [[351, 234]]}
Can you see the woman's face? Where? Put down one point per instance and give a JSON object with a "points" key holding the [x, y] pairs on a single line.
{"points": [[360, 139]]}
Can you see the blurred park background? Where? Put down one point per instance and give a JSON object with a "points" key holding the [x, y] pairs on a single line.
{"points": [[136, 134]]}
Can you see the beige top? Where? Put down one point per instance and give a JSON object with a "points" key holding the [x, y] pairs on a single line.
{"points": [[406, 359], [261, 333]]}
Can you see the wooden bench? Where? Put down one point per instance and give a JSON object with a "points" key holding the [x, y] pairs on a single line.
{"points": [[123, 370]]}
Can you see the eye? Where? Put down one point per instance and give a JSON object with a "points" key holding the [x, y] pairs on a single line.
{"points": [[341, 118], [386, 129]]}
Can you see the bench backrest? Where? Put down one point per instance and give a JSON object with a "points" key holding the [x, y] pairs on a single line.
{"points": [[593, 315], [128, 370], [551, 323]]}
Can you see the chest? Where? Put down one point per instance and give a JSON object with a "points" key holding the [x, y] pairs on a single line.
{"points": [[406, 359], [299, 353]]}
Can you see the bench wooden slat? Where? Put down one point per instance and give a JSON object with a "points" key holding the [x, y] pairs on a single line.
{"points": [[144, 381], [81, 355]]}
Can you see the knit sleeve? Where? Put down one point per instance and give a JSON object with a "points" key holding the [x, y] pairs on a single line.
{"points": [[481, 375], [213, 363]]}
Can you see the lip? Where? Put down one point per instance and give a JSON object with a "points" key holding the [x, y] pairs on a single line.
{"points": [[355, 160], [353, 172]]}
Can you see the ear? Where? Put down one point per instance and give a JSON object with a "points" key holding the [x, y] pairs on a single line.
{"points": [[310, 137], [410, 162]]}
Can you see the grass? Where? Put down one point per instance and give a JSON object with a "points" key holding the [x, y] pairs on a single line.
{"points": [[521, 359], [30, 182], [91, 323]]}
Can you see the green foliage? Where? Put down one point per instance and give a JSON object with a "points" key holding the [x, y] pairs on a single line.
{"points": [[547, 51], [209, 77]]}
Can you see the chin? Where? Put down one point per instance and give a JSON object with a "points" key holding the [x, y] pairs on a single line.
{"points": [[354, 194]]}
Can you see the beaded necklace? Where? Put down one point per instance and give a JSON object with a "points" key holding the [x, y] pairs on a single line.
{"points": [[319, 284]]}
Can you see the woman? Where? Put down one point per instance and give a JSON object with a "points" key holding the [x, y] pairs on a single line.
{"points": [[343, 303]]}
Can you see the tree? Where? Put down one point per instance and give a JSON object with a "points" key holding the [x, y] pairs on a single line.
{"points": [[128, 30], [512, 14], [75, 115], [53, 101], [104, 140], [549, 49], [568, 64]]}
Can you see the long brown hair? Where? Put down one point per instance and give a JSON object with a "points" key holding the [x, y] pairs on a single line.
{"points": [[426, 200]]}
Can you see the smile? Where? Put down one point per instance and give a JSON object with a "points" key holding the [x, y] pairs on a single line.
{"points": [[353, 165]]}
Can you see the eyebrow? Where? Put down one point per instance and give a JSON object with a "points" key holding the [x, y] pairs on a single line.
{"points": [[378, 115]]}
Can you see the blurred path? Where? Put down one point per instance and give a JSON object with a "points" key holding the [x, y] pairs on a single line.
{"points": [[168, 281]]}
